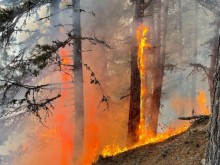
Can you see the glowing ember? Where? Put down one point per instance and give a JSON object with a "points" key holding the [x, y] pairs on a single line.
{"points": [[142, 44], [202, 103]]}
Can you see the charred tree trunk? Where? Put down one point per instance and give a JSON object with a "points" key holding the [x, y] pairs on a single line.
{"points": [[157, 75], [134, 109], [212, 154], [78, 83], [213, 58], [213, 6], [150, 66], [164, 44], [152, 37]]}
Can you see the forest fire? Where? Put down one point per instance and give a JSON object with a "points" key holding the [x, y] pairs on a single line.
{"points": [[77, 84], [141, 33], [202, 102], [64, 111], [112, 150], [144, 139]]}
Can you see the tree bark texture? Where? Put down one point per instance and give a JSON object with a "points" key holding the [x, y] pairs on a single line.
{"points": [[78, 83], [134, 109], [213, 150], [213, 59], [158, 71]]}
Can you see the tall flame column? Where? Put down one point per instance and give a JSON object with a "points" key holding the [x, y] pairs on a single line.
{"points": [[134, 108], [141, 34]]}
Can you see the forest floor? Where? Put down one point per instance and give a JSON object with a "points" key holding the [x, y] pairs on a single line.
{"points": [[187, 148]]}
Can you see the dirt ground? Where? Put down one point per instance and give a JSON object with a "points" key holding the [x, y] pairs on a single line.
{"points": [[187, 148]]}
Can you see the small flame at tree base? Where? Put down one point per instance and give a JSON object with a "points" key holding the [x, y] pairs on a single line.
{"points": [[202, 103]]}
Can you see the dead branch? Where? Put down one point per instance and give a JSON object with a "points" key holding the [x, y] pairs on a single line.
{"points": [[212, 6], [197, 67], [198, 117], [125, 96], [94, 80], [172, 67]]}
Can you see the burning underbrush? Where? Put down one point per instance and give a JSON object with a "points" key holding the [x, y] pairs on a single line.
{"points": [[147, 135], [114, 150], [185, 148]]}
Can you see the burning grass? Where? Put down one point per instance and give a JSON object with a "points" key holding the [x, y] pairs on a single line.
{"points": [[185, 148], [112, 150]]}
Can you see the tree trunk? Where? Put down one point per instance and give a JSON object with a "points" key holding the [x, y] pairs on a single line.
{"points": [[213, 154], [54, 8], [213, 59], [195, 52], [180, 30], [180, 83], [78, 83], [158, 74], [150, 66], [134, 109], [180, 49]]}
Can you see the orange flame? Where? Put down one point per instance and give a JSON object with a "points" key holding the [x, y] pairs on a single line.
{"points": [[202, 103], [92, 142], [141, 33], [112, 150], [56, 140]]}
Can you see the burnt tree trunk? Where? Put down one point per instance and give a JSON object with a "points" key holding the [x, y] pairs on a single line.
{"points": [[158, 62], [213, 58], [150, 66], [134, 109], [213, 154], [78, 83], [213, 6]]}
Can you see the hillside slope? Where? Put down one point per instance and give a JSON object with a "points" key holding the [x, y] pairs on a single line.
{"points": [[187, 148]]}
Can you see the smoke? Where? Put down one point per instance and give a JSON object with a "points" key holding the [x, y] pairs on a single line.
{"points": [[53, 143]]}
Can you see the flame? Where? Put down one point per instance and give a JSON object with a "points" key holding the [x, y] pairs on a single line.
{"points": [[144, 137], [92, 142], [202, 103], [56, 139], [112, 150], [141, 33], [66, 138], [47, 136], [65, 61]]}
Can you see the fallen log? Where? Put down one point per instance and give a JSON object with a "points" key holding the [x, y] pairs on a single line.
{"points": [[197, 117]]}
